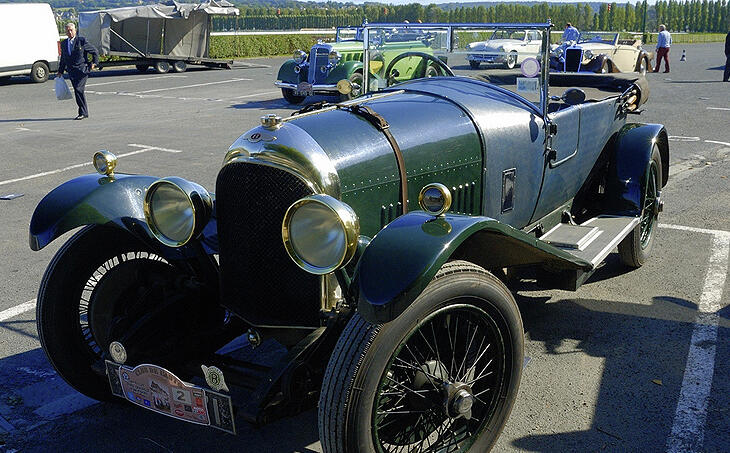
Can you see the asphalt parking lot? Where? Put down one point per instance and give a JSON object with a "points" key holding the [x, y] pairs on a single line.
{"points": [[632, 361]]}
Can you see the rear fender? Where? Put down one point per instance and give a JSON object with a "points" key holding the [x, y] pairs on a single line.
{"points": [[628, 167], [642, 55], [102, 200], [404, 257]]}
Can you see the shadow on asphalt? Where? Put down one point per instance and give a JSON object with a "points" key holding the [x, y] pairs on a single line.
{"points": [[29, 120], [644, 360]]}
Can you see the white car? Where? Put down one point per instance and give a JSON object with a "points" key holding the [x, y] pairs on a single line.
{"points": [[505, 47]]}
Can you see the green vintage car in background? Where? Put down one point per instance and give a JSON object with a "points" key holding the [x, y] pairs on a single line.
{"points": [[336, 69], [356, 256]]}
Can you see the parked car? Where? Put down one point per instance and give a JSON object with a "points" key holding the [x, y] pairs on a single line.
{"points": [[506, 47], [370, 239], [327, 64], [30, 41], [602, 53]]}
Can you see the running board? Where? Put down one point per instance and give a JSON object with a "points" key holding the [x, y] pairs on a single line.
{"points": [[591, 241]]}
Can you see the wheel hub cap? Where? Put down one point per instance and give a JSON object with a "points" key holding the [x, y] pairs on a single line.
{"points": [[462, 402]]}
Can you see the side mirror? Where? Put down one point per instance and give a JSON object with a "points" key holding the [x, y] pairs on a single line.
{"points": [[573, 96]]}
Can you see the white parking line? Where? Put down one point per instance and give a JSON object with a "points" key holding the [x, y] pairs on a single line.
{"points": [[192, 86], [718, 108], [144, 149], [679, 138], [688, 429], [12, 312], [133, 80], [716, 142]]}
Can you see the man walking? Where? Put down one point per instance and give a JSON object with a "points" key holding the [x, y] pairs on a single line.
{"points": [[726, 75], [663, 41], [75, 60]]}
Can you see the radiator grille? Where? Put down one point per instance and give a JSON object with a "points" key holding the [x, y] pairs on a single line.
{"points": [[318, 57], [573, 58], [259, 280]]}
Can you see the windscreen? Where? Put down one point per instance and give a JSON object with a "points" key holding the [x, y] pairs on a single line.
{"points": [[511, 57], [598, 37], [349, 34]]}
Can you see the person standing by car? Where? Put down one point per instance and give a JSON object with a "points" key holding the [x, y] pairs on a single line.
{"points": [[663, 41], [726, 75], [571, 33], [75, 60]]}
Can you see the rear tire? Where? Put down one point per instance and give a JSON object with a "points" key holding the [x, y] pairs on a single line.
{"points": [[474, 64], [39, 72], [635, 249], [361, 384], [179, 66], [290, 97], [142, 67], [161, 66]]}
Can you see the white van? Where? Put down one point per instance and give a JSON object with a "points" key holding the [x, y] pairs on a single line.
{"points": [[29, 40]]}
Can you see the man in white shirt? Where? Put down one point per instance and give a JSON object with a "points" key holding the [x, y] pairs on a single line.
{"points": [[663, 41]]}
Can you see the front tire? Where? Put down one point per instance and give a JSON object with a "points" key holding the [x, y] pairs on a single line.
{"points": [[635, 249], [105, 285], [142, 67], [408, 385], [474, 64], [291, 97], [511, 60], [357, 87], [39, 72]]}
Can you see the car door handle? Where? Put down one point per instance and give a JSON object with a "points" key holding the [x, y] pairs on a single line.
{"points": [[552, 155]]}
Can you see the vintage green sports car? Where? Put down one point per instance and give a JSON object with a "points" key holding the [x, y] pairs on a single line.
{"points": [[354, 254], [328, 65]]}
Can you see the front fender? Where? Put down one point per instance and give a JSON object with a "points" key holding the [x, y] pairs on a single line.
{"points": [[627, 169], [343, 71], [404, 257], [94, 199], [286, 72]]}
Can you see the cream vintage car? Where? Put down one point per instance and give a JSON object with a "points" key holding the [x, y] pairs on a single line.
{"points": [[506, 47], [600, 52]]}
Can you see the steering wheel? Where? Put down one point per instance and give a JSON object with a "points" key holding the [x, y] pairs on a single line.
{"points": [[425, 57]]}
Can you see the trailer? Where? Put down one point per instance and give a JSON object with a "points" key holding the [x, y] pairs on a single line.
{"points": [[164, 36]]}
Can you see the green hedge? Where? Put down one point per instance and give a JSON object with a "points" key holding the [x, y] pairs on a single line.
{"points": [[242, 46], [246, 46]]}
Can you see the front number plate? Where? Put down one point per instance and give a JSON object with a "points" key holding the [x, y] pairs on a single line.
{"points": [[154, 388], [304, 89]]}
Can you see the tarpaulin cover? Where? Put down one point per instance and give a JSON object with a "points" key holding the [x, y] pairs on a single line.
{"points": [[169, 28]]}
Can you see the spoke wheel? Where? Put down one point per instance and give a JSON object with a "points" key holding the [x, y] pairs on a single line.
{"points": [[636, 248], [442, 376], [439, 388]]}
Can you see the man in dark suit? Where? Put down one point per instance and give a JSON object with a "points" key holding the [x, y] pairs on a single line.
{"points": [[75, 60]]}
